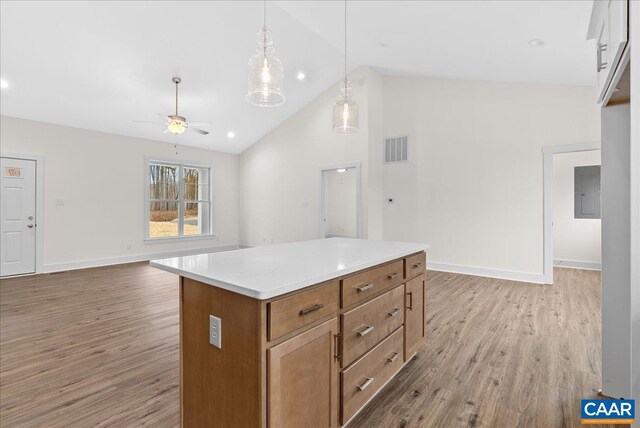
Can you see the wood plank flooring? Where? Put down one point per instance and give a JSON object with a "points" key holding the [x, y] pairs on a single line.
{"points": [[99, 347]]}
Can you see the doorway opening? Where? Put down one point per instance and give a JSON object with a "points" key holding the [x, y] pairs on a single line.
{"points": [[340, 201], [571, 207], [21, 199]]}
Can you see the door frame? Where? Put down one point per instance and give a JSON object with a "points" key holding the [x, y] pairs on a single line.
{"points": [[548, 153], [322, 169], [39, 160]]}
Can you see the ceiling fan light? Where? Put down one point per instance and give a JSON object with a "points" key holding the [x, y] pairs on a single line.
{"points": [[176, 127], [266, 74]]}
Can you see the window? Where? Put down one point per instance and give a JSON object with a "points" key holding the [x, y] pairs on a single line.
{"points": [[178, 200], [587, 191]]}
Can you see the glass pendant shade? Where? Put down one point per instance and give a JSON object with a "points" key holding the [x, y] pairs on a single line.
{"points": [[345, 111], [265, 74]]}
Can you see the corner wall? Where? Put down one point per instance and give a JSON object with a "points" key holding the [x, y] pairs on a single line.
{"points": [[280, 176]]}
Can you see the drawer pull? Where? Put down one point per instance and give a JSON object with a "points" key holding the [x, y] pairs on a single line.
{"points": [[410, 294], [417, 265], [366, 384], [310, 309], [395, 312], [392, 275], [364, 288], [336, 343], [394, 357], [368, 329]]}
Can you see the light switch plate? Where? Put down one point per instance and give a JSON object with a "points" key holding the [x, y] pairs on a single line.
{"points": [[215, 331]]}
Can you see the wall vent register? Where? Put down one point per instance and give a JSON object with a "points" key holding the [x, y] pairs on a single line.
{"points": [[395, 149]]}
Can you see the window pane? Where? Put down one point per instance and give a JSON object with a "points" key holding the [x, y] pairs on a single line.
{"points": [[163, 219], [163, 181], [196, 182], [196, 218]]}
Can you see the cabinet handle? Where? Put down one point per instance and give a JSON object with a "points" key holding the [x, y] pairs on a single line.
{"points": [[410, 294], [395, 312], [366, 384], [417, 265], [336, 343], [602, 47], [392, 275], [394, 357], [364, 288], [310, 309], [368, 329]]}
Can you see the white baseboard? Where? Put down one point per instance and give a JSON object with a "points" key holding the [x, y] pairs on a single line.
{"points": [[536, 278], [83, 264], [574, 264]]}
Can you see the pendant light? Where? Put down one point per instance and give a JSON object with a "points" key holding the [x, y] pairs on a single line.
{"points": [[265, 71], [345, 110]]}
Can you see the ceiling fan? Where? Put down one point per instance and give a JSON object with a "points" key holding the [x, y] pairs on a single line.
{"points": [[175, 123]]}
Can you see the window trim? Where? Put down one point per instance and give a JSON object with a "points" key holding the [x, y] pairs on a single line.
{"points": [[148, 160]]}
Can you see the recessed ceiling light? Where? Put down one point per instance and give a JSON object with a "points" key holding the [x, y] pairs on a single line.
{"points": [[301, 75], [4, 84], [382, 44], [341, 170], [231, 134], [536, 43]]}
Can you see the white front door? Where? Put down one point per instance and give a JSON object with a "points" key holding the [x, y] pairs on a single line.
{"points": [[17, 216]]}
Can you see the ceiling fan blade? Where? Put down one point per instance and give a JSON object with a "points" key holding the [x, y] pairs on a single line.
{"points": [[199, 131], [166, 131], [164, 117], [199, 124], [147, 121]]}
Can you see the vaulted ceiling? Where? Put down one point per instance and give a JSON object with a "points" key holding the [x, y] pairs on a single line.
{"points": [[102, 65]]}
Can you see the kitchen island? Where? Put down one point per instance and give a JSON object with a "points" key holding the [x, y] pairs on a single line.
{"points": [[295, 335]]}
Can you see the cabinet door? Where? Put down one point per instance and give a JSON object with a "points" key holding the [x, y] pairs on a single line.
{"points": [[303, 379], [414, 315], [611, 40]]}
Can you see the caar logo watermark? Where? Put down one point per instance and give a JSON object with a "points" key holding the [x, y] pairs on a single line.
{"points": [[608, 411]]}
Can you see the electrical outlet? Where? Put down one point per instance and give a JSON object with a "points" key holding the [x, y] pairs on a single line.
{"points": [[215, 331]]}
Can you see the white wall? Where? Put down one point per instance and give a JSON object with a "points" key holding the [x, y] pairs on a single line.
{"points": [[279, 176], [473, 185], [340, 202], [615, 179], [101, 179], [574, 240]]}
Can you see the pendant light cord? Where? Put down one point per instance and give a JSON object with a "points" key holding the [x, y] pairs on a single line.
{"points": [[264, 30], [345, 40], [264, 24]]}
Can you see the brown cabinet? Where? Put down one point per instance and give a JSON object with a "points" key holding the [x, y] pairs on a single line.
{"points": [[303, 379], [309, 358], [414, 315]]}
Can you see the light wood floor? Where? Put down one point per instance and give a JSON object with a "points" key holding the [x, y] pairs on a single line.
{"points": [[99, 347]]}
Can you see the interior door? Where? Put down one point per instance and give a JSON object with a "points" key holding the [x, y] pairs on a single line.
{"points": [[17, 216]]}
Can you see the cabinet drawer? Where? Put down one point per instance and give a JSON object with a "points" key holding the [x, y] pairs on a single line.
{"points": [[415, 265], [298, 310], [364, 378], [364, 326], [361, 286]]}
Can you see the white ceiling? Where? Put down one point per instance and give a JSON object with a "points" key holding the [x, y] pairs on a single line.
{"points": [[101, 65]]}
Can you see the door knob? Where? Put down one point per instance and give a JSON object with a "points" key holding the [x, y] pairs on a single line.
{"points": [[30, 217], [30, 226]]}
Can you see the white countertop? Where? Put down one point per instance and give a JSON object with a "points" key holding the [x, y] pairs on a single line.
{"points": [[269, 271]]}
